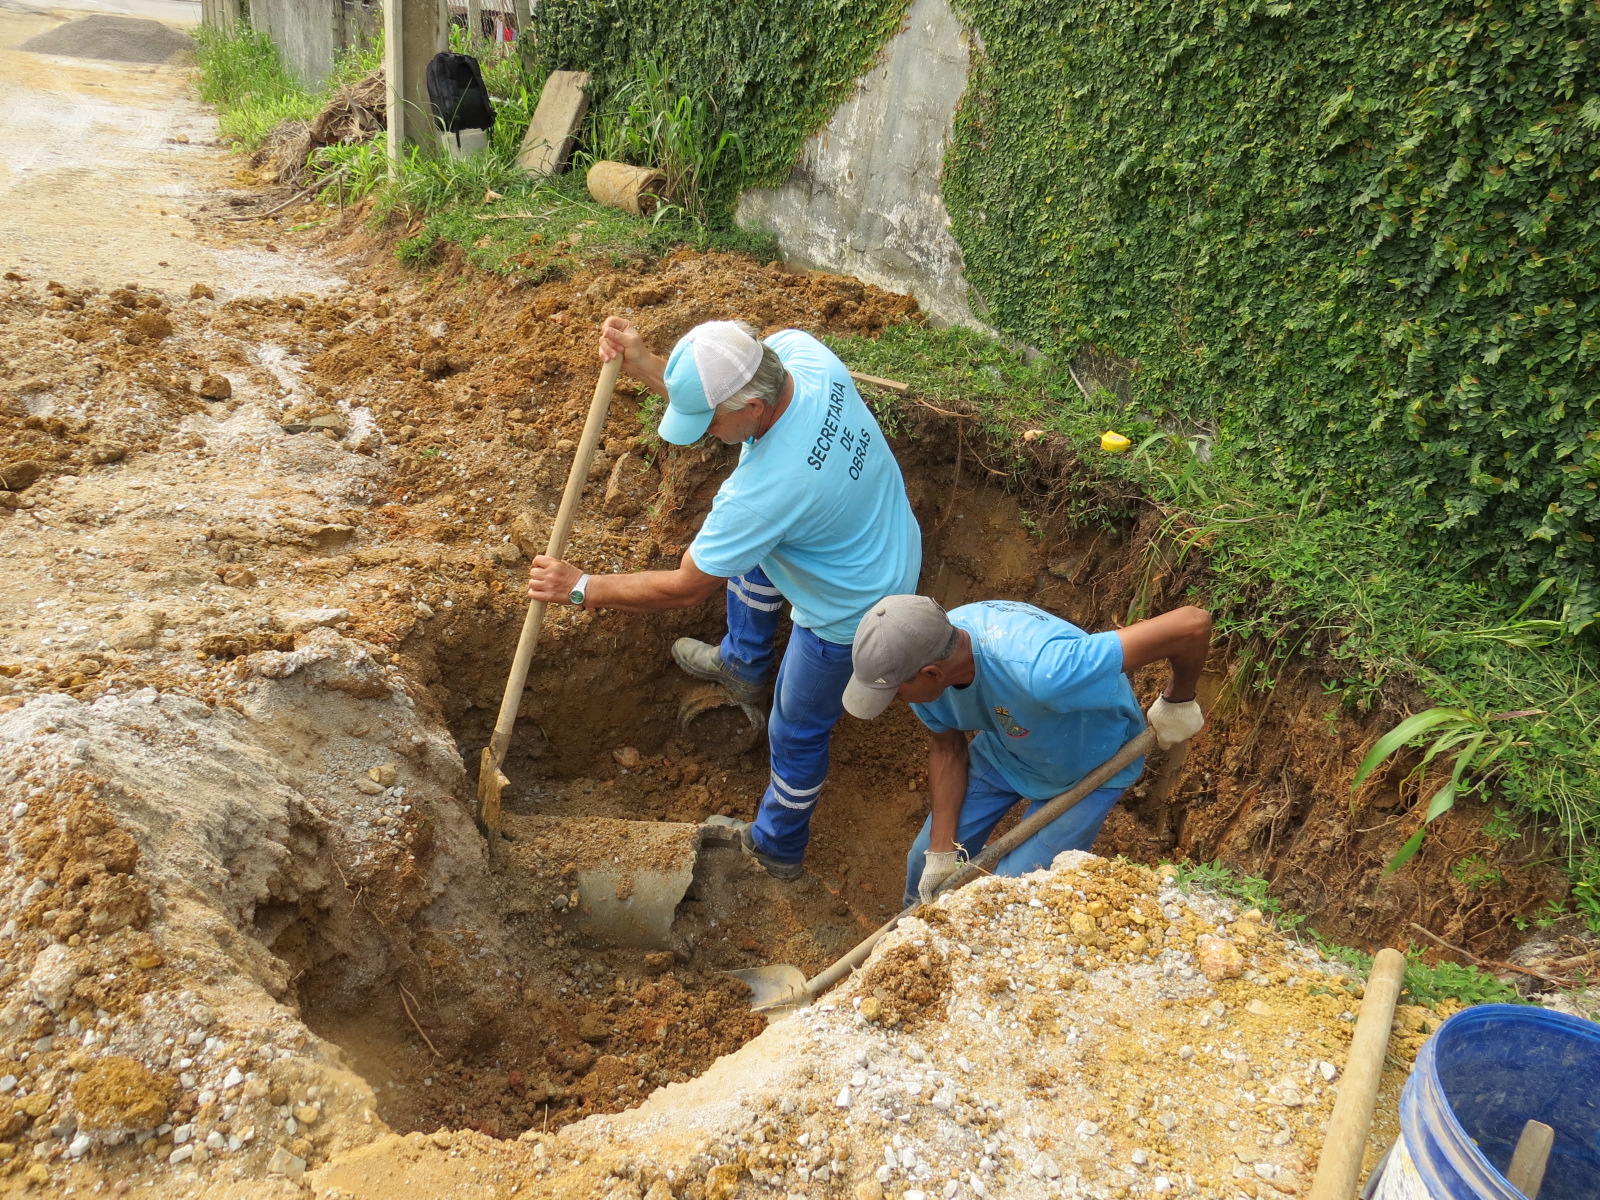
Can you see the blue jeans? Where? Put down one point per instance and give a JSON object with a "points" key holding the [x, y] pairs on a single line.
{"points": [[807, 702], [988, 799]]}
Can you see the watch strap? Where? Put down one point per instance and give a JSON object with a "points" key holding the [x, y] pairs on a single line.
{"points": [[580, 590]]}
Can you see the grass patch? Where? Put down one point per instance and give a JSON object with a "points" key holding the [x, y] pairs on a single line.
{"points": [[242, 75], [540, 231], [1423, 984], [1290, 573]]}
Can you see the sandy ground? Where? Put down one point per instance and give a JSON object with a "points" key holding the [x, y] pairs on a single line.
{"points": [[105, 168]]}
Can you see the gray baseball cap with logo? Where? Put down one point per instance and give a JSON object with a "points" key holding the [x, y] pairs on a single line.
{"points": [[897, 638]]}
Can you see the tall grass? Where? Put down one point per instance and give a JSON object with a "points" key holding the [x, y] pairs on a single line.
{"points": [[241, 74], [649, 122]]}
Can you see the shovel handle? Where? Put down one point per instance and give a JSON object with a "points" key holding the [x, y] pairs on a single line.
{"points": [[992, 854], [495, 754]]}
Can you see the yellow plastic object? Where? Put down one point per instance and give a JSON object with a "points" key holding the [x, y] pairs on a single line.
{"points": [[1113, 442]]}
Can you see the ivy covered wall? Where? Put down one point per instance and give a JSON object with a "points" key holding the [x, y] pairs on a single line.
{"points": [[1355, 239], [775, 70]]}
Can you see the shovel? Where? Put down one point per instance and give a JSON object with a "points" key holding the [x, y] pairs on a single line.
{"points": [[783, 986], [491, 781]]}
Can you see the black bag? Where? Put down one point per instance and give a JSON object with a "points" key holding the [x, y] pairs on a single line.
{"points": [[455, 87]]}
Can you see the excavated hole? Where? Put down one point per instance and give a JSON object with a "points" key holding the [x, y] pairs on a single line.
{"points": [[534, 1021]]}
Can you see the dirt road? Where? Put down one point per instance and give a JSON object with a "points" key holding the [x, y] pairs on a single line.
{"points": [[110, 173]]}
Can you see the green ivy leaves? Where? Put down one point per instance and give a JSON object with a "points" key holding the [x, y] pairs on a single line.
{"points": [[1360, 241], [773, 71]]}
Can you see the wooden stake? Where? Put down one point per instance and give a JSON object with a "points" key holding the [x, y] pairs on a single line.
{"points": [[1530, 1158], [1339, 1169]]}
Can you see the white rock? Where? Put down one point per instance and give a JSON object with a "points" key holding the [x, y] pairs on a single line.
{"points": [[1162, 1184], [288, 1165], [233, 1078], [1328, 1070], [843, 1098], [182, 1134], [215, 1141], [7, 1083], [80, 1145], [181, 1154], [303, 619], [1140, 1157], [55, 970]]}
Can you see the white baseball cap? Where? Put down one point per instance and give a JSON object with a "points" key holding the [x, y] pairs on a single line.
{"points": [[709, 364]]}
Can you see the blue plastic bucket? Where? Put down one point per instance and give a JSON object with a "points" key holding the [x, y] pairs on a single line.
{"points": [[1485, 1073]]}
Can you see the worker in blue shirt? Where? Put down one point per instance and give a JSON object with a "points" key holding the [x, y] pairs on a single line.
{"points": [[1047, 702], [815, 515]]}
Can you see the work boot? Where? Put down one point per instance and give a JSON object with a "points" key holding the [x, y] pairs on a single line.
{"points": [[778, 870], [704, 661]]}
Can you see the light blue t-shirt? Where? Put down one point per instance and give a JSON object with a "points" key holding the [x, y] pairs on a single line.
{"points": [[817, 502], [1049, 702]]}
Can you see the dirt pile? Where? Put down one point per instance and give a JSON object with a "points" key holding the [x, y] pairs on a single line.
{"points": [[1072, 1032], [118, 39]]}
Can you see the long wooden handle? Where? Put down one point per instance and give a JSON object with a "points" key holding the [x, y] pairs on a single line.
{"points": [[1339, 1169], [576, 478], [993, 853]]}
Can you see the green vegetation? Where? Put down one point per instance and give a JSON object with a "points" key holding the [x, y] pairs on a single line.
{"points": [[539, 231], [1352, 243], [1289, 571], [241, 74], [1423, 984], [648, 123], [428, 181], [769, 73]]}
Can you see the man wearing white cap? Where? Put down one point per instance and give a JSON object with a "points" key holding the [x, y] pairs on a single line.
{"points": [[814, 515], [1047, 701]]}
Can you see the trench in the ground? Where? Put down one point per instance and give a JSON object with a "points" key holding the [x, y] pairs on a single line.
{"points": [[570, 1025]]}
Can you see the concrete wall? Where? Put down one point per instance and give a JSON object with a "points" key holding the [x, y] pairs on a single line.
{"points": [[864, 198], [310, 34]]}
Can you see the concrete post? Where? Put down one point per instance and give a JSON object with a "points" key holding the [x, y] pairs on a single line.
{"points": [[474, 25], [219, 14], [523, 19], [413, 32]]}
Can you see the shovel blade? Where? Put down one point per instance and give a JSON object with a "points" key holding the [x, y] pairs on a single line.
{"points": [[491, 782], [775, 986], [629, 875]]}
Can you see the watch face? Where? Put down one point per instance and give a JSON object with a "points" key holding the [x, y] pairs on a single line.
{"points": [[576, 597]]}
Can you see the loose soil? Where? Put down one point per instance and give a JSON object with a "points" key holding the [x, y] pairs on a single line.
{"points": [[264, 572]]}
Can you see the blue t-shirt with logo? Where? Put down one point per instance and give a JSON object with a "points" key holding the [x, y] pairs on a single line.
{"points": [[1049, 702], [817, 502]]}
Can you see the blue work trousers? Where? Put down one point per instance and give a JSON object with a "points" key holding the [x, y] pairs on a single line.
{"points": [[989, 797], [807, 702]]}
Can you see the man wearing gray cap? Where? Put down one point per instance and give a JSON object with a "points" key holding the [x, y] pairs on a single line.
{"points": [[1047, 701], [815, 516]]}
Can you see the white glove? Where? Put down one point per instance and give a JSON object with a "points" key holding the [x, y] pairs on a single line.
{"points": [[937, 866], [1174, 723]]}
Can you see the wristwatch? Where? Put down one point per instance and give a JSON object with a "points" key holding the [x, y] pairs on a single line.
{"points": [[579, 590]]}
